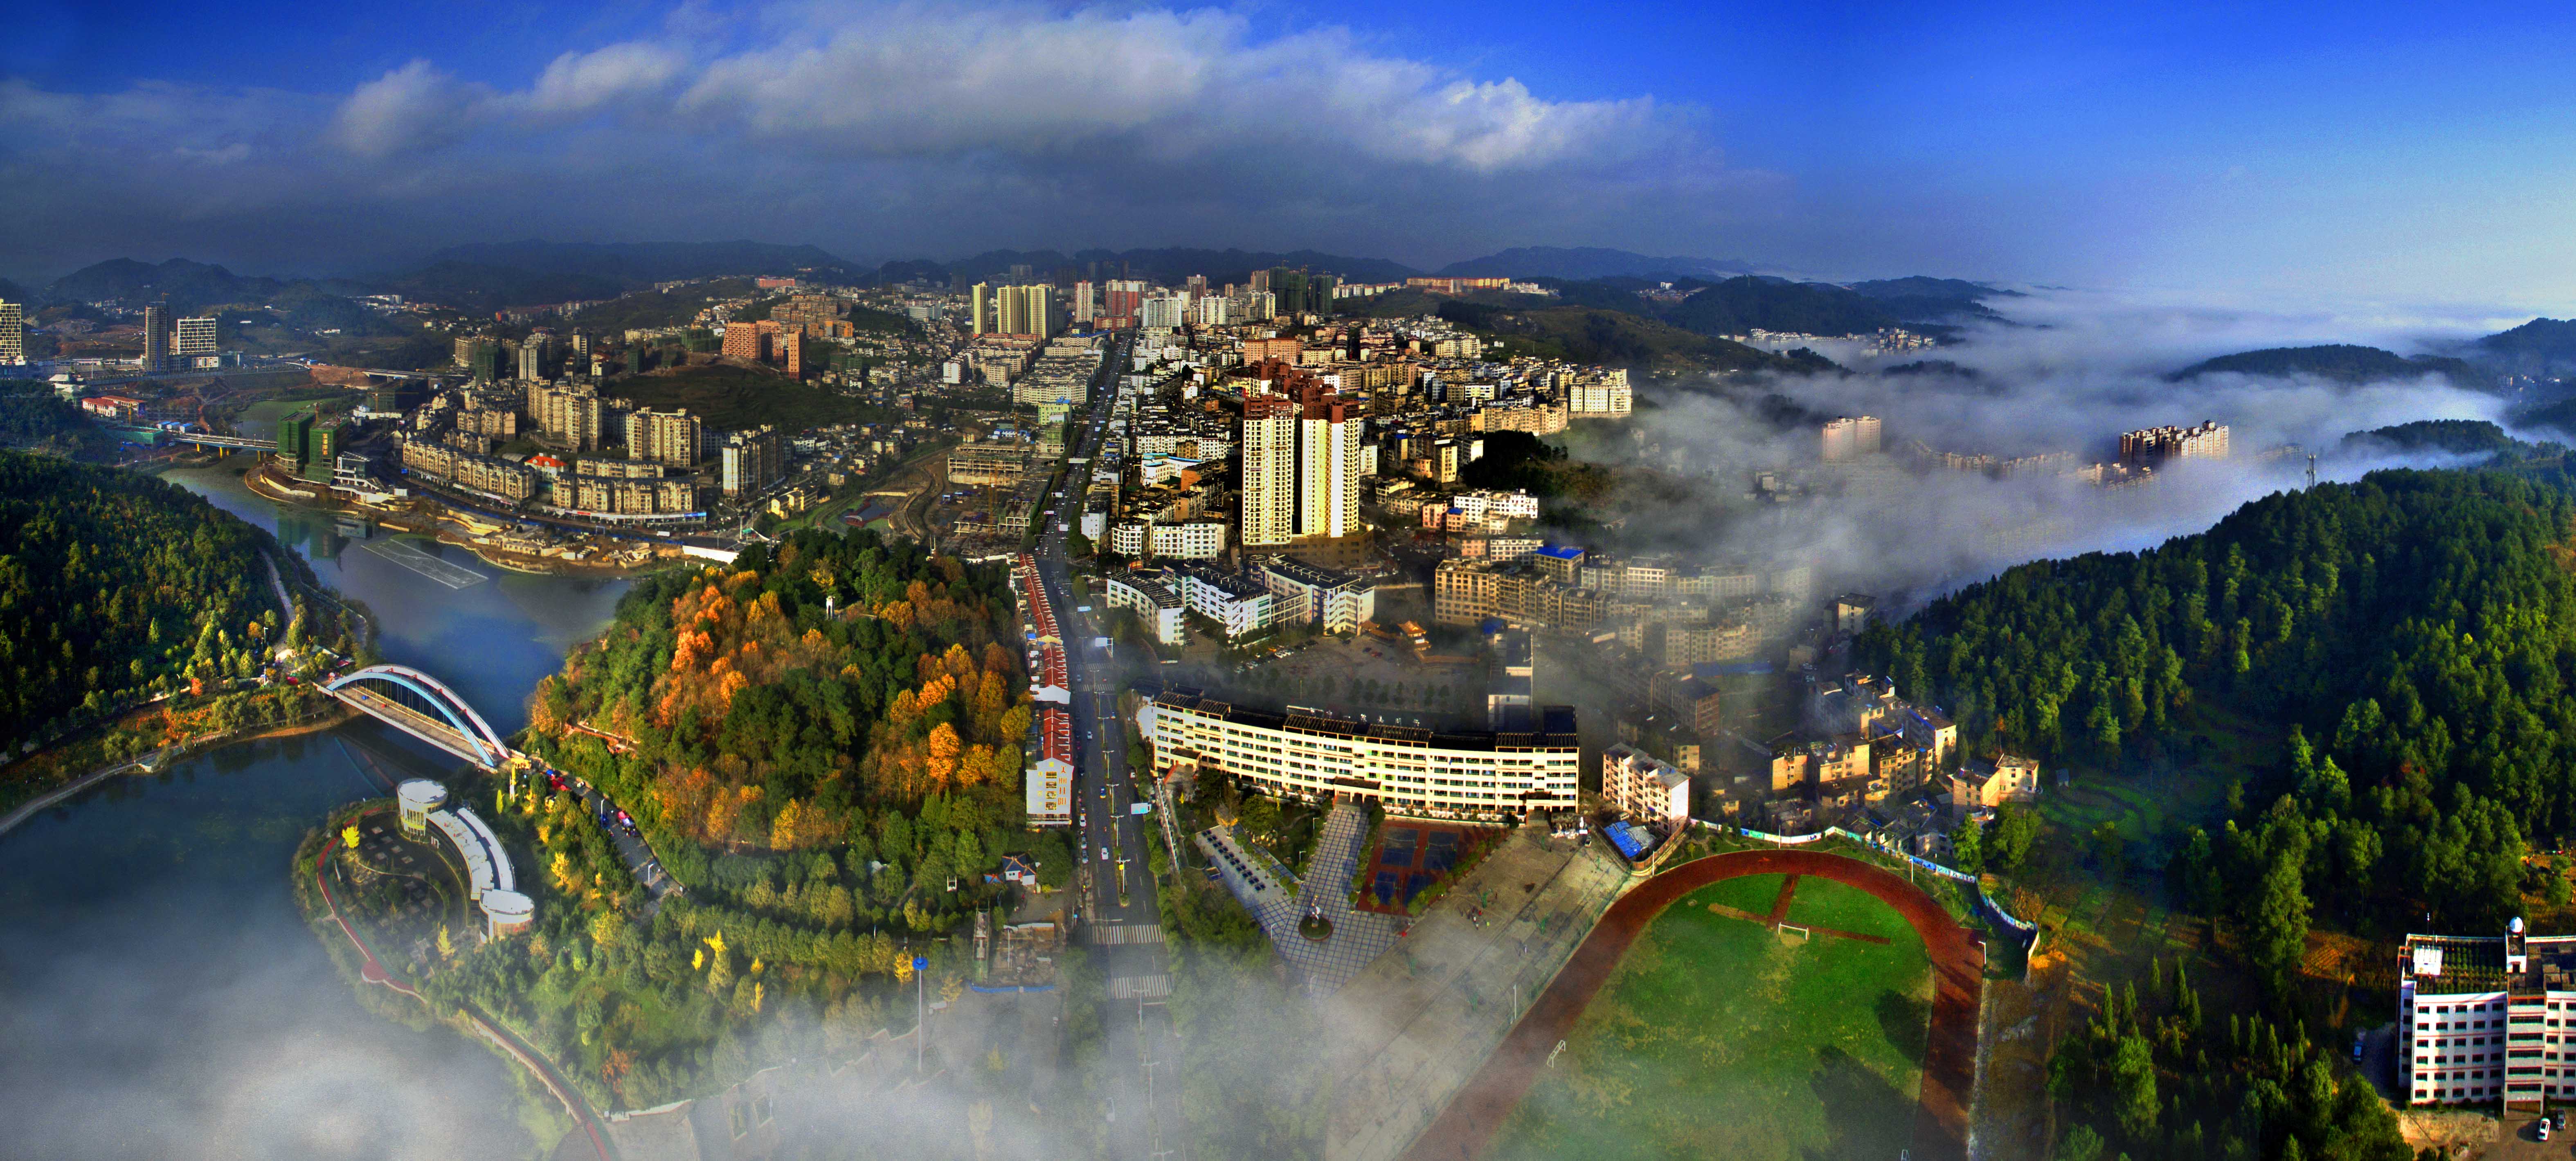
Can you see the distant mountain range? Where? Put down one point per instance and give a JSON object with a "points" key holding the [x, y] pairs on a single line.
{"points": [[189, 285], [1700, 297], [1168, 265], [1580, 263]]}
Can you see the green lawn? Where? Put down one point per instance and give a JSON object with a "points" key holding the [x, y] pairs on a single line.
{"points": [[1717, 1038]]}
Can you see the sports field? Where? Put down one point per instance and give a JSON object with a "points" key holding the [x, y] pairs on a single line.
{"points": [[1716, 1037]]}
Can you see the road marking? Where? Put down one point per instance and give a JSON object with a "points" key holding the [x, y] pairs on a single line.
{"points": [[1140, 987]]}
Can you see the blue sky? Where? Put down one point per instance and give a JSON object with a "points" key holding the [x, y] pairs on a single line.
{"points": [[2252, 151]]}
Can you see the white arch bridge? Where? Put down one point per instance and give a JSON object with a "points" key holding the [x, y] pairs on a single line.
{"points": [[422, 706]]}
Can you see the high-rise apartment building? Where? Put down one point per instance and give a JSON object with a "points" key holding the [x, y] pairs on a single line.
{"points": [[193, 339], [13, 334], [571, 414], [1850, 437], [1027, 310], [1328, 465], [663, 437], [753, 460], [749, 341], [1125, 297], [1268, 483], [981, 304], [536, 362], [1013, 311], [156, 337], [791, 351], [1167, 313], [2205, 442], [480, 356], [1083, 306]]}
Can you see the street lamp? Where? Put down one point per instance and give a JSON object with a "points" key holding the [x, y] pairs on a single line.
{"points": [[920, 1009]]}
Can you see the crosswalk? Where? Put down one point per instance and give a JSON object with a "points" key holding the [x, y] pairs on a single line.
{"points": [[1133, 933], [1140, 987]]}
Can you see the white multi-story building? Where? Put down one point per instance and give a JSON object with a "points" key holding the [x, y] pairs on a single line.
{"points": [[193, 340], [1150, 599], [2487, 1018], [1411, 771], [1336, 600], [1163, 311], [1187, 539], [1643, 788], [1508, 505], [1237, 605], [1605, 398], [1048, 786]]}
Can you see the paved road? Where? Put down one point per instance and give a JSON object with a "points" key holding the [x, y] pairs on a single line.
{"points": [[1143, 1052]]}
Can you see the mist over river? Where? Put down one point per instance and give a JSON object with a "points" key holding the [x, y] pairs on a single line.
{"points": [[160, 997]]}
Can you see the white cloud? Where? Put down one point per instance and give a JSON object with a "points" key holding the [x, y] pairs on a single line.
{"points": [[410, 109], [910, 129], [1173, 84], [578, 82]]}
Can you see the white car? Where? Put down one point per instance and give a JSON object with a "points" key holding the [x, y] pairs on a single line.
{"points": [[1104, 854]]}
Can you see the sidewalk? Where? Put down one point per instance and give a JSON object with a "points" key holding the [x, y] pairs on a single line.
{"points": [[1358, 937]]}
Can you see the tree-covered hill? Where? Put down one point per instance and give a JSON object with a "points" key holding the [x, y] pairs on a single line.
{"points": [[183, 284], [631, 264], [116, 586], [2340, 363], [2420, 626], [1587, 262], [830, 783], [2543, 346], [1590, 335]]}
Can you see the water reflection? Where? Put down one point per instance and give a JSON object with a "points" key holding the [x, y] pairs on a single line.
{"points": [[160, 996]]}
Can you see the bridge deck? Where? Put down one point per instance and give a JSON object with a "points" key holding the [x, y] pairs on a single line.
{"points": [[429, 729]]}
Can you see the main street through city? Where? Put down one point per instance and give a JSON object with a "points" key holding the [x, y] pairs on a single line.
{"points": [[1125, 936]]}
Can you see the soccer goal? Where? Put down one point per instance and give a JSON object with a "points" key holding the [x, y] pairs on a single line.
{"points": [[1793, 929]]}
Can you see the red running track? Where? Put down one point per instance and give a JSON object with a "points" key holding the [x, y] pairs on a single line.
{"points": [[1949, 1068]]}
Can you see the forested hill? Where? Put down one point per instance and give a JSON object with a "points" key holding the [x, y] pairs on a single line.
{"points": [[116, 586], [823, 742], [2420, 627], [2340, 363]]}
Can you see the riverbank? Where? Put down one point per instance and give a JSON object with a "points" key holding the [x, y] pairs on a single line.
{"points": [[377, 983], [488, 541], [152, 762]]}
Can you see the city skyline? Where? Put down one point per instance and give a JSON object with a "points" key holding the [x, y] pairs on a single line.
{"points": [[2244, 154]]}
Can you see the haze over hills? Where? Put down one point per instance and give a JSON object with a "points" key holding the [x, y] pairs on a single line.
{"points": [[1169, 264], [630, 262], [1587, 262]]}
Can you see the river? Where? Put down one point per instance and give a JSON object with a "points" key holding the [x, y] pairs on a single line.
{"points": [[160, 996]]}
